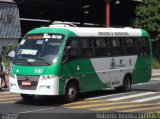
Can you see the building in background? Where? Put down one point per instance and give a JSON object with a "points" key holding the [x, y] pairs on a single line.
{"points": [[36, 13], [10, 29]]}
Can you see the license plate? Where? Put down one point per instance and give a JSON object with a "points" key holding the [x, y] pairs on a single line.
{"points": [[26, 83]]}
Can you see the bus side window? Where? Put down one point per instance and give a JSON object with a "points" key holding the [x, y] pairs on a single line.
{"points": [[143, 47], [101, 47], [86, 47], [74, 50], [130, 46], [116, 48]]}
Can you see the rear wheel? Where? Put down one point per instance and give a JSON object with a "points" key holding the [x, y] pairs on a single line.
{"points": [[126, 85], [71, 93], [27, 97]]}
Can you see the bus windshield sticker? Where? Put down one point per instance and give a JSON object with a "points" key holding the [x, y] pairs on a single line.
{"points": [[27, 52], [46, 36], [39, 42], [52, 36]]}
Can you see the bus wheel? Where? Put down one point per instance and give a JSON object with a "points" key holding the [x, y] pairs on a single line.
{"points": [[27, 97], [71, 93], [126, 85]]}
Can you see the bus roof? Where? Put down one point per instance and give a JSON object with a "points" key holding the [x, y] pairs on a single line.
{"points": [[111, 32], [92, 32]]}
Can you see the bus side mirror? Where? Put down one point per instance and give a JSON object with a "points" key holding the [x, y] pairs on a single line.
{"points": [[66, 54]]}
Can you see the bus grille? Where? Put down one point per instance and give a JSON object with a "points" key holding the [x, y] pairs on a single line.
{"points": [[33, 79]]}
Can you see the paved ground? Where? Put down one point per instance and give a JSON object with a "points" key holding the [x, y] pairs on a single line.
{"points": [[143, 99]]}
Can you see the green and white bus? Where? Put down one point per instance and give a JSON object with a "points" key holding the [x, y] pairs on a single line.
{"points": [[71, 60]]}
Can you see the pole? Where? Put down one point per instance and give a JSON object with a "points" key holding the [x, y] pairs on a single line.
{"points": [[107, 13]]}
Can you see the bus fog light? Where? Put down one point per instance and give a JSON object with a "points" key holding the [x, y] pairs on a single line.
{"points": [[45, 87], [46, 77]]}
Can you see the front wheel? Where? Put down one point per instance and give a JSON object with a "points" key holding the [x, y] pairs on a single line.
{"points": [[71, 93], [126, 85], [27, 97]]}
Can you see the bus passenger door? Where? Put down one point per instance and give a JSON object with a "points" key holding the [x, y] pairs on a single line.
{"points": [[78, 65]]}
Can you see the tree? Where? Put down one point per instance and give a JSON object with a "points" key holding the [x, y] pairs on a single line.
{"points": [[148, 17]]}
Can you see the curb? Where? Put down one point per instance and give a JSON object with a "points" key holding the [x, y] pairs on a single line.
{"points": [[154, 75]]}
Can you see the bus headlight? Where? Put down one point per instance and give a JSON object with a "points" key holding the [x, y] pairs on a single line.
{"points": [[55, 60], [47, 77]]}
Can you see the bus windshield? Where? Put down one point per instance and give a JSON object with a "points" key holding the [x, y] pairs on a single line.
{"points": [[38, 49]]}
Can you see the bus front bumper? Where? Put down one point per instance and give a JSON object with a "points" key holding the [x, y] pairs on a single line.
{"points": [[44, 86]]}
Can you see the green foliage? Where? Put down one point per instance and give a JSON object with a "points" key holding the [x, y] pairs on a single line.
{"points": [[7, 49], [148, 17], [155, 64]]}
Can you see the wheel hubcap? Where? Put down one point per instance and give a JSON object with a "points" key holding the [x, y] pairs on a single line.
{"points": [[71, 92]]}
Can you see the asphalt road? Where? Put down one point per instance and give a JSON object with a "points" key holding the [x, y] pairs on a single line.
{"points": [[108, 104]]}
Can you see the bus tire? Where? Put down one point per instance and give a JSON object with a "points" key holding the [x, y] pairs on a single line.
{"points": [[126, 87], [71, 92], [27, 97]]}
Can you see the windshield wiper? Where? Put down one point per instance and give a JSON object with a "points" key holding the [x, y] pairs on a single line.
{"points": [[22, 60], [41, 59]]}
